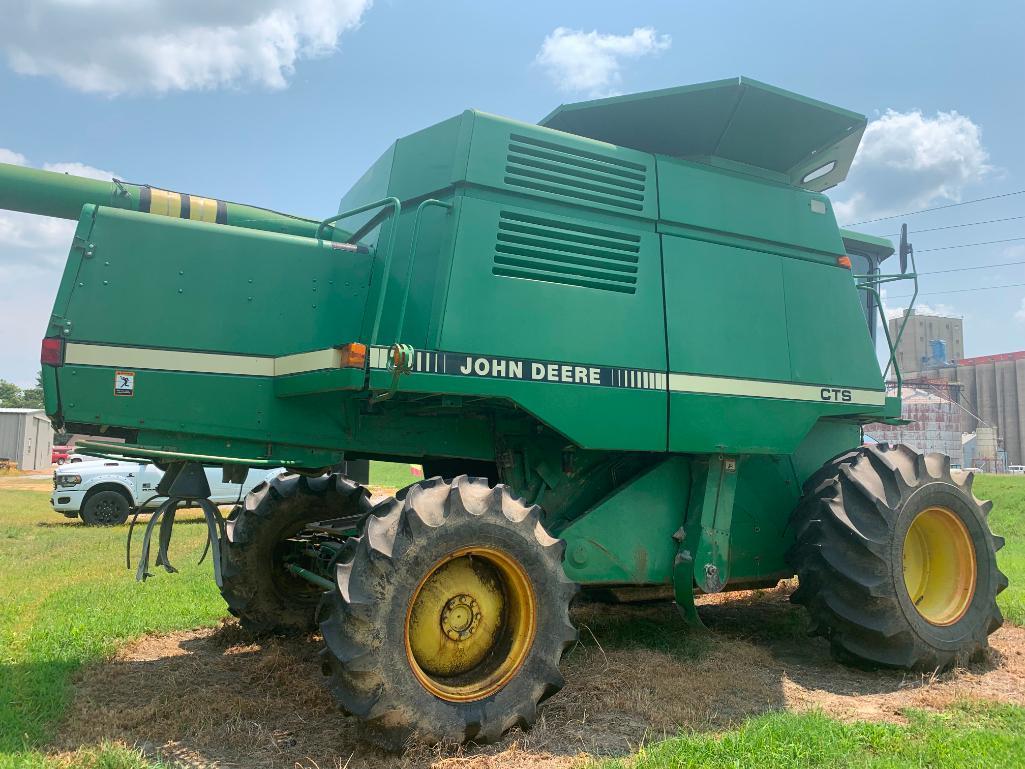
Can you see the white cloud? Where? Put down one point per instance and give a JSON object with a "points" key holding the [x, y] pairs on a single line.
{"points": [[1020, 315], [910, 161], [941, 310], [12, 157], [103, 46], [591, 63]]}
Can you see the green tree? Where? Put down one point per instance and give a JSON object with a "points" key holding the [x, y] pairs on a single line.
{"points": [[10, 395], [32, 397], [13, 397]]}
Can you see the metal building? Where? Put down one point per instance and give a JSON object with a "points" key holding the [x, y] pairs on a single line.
{"points": [[935, 424], [993, 395], [26, 438], [915, 353]]}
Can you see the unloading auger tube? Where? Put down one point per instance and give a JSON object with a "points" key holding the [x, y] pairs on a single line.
{"points": [[47, 193]]}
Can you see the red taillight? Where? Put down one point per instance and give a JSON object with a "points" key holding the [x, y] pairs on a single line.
{"points": [[52, 353], [844, 261]]}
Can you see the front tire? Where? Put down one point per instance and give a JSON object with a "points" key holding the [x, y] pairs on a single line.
{"points": [[106, 508], [895, 560], [255, 585], [451, 617]]}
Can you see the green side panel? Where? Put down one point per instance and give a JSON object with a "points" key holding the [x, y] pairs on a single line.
{"points": [[825, 441], [528, 160], [725, 310], [554, 288], [829, 343], [765, 496], [703, 424], [50, 400], [243, 407], [716, 201], [430, 159], [628, 537], [172, 283]]}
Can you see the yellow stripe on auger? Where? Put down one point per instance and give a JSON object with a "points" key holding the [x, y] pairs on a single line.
{"points": [[202, 209], [164, 203], [153, 200]]}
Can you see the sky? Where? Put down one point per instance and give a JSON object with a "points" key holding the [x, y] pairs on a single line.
{"points": [[284, 103]]}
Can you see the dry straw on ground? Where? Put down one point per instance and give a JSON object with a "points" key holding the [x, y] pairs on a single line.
{"points": [[216, 698]]}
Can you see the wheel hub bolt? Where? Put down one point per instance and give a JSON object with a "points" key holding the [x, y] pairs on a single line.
{"points": [[460, 617]]}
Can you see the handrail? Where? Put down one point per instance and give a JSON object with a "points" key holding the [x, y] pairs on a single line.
{"points": [[868, 285], [400, 325], [393, 202], [886, 331]]}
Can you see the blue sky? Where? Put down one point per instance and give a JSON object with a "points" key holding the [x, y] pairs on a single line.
{"points": [[285, 104]]}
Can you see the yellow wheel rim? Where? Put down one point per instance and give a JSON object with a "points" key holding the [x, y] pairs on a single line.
{"points": [[470, 624], [939, 566]]}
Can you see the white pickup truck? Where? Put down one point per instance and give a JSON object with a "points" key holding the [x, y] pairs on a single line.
{"points": [[104, 492]]}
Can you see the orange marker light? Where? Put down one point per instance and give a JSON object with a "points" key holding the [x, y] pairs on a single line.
{"points": [[844, 261], [354, 355]]}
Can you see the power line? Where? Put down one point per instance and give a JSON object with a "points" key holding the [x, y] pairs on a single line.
{"points": [[969, 245], [958, 290], [955, 226], [936, 208], [976, 267]]}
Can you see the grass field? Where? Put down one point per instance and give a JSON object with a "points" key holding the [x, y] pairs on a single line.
{"points": [[67, 599]]}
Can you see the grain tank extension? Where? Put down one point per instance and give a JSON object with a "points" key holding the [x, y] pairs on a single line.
{"points": [[627, 345]]}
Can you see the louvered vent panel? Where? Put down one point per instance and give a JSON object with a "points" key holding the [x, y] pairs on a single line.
{"points": [[582, 176], [536, 248]]}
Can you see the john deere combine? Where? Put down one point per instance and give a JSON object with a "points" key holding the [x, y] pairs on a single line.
{"points": [[626, 344]]}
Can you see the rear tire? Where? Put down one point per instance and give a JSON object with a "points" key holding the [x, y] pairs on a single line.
{"points": [[895, 560], [106, 508], [255, 585], [450, 618]]}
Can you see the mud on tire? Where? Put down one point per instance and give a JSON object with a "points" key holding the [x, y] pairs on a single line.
{"points": [[370, 640], [258, 591], [851, 529]]}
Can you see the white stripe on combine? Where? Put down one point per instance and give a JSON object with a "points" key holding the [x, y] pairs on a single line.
{"points": [[167, 360], [753, 388], [76, 354]]}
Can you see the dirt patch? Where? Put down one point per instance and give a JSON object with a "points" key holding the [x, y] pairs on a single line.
{"points": [[216, 698], [25, 482]]}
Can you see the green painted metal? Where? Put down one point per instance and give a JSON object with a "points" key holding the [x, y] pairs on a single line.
{"points": [[309, 576], [738, 120], [712, 558], [608, 546], [612, 302]]}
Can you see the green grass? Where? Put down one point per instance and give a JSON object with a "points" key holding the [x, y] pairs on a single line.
{"points": [[1008, 520], [967, 735], [391, 475], [66, 600]]}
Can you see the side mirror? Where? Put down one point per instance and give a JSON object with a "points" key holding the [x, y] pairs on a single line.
{"points": [[906, 248]]}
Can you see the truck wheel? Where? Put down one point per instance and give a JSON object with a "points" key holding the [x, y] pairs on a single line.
{"points": [[106, 508], [255, 585], [895, 560], [450, 618]]}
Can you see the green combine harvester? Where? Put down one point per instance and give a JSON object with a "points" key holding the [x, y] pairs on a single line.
{"points": [[629, 345]]}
